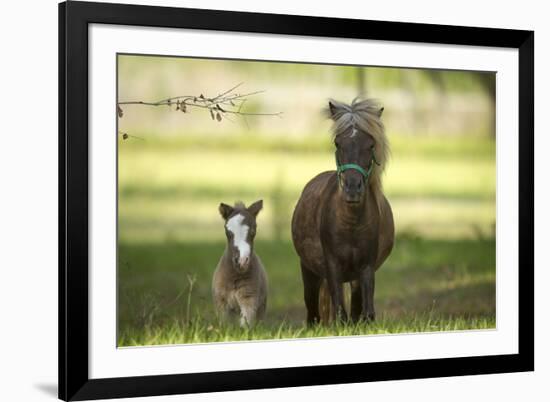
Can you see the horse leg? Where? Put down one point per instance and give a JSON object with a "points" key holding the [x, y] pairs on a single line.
{"points": [[248, 316], [312, 284], [367, 289], [222, 308], [336, 292], [249, 308], [356, 307]]}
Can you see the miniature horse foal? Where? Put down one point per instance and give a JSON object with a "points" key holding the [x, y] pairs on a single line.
{"points": [[240, 281]]}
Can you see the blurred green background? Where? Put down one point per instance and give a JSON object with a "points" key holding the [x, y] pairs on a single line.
{"points": [[175, 168]]}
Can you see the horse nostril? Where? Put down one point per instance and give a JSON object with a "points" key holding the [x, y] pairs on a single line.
{"points": [[353, 187], [244, 261]]}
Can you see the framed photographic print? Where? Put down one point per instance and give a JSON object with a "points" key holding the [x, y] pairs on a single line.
{"points": [[257, 200]]}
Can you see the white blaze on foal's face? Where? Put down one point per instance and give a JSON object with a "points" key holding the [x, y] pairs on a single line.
{"points": [[240, 234]]}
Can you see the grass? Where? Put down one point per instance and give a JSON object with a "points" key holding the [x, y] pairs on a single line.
{"points": [[437, 188], [314, 143], [453, 282], [200, 331], [440, 276], [454, 168]]}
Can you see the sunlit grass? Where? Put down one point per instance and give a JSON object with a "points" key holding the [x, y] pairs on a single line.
{"points": [[245, 140], [418, 170], [172, 188], [157, 219], [217, 172], [200, 331]]}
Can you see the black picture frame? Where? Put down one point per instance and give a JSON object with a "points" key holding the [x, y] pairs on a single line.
{"points": [[74, 18]]}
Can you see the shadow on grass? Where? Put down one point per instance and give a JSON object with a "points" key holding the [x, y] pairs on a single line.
{"points": [[443, 278]]}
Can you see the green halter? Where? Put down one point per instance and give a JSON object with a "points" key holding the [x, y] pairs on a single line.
{"points": [[347, 166]]}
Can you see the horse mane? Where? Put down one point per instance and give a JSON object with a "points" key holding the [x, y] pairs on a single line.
{"points": [[239, 205], [364, 116]]}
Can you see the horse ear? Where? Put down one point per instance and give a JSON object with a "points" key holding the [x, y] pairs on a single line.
{"points": [[225, 210], [331, 109], [380, 112], [255, 208]]}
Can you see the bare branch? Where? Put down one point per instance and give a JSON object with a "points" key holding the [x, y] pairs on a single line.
{"points": [[232, 103], [229, 90], [219, 107]]}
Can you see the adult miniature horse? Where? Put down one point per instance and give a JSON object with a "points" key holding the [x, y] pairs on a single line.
{"points": [[342, 226]]}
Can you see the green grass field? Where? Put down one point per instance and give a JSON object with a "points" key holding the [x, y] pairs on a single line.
{"points": [[440, 276]]}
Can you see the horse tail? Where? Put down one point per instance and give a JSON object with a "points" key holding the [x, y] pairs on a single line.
{"points": [[326, 310]]}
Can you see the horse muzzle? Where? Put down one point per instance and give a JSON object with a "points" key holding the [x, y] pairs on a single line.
{"points": [[353, 188], [352, 199], [241, 264]]}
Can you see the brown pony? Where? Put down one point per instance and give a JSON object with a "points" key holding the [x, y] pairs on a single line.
{"points": [[342, 226]]}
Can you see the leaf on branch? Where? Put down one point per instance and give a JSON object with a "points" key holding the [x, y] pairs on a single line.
{"points": [[211, 114], [218, 116], [119, 111], [125, 136], [183, 108]]}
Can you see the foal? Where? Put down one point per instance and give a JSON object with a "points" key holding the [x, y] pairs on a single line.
{"points": [[240, 281]]}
